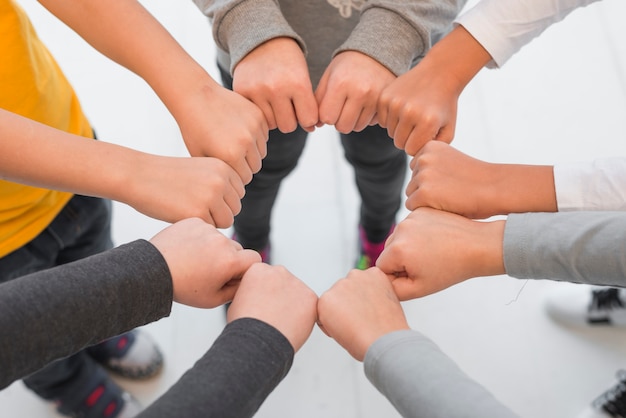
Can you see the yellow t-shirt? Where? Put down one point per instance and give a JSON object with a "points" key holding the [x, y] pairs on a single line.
{"points": [[32, 85]]}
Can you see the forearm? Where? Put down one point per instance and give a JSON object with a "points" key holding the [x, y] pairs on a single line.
{"points": [[128, 34], [244, 365], [518, 188], [579, 247], [455, 60], [55, 313], [421, 381], [32, 153]]}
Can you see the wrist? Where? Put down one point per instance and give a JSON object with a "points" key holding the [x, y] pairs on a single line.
{"points": [[458, 57], [490, 250]]}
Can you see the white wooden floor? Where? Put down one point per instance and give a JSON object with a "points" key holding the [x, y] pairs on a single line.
{"points": [[562, 98]]}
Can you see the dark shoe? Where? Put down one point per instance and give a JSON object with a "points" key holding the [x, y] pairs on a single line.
{"points": [[580, 305], [99, 397], [133, 355], [612, 403]]}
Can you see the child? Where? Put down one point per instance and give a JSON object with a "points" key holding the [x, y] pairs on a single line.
{"points": [[313, 63]]}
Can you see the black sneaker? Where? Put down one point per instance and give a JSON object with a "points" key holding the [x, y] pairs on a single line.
{"points": [[98, 397], [612, 403], [133, 355], [581, 305]]}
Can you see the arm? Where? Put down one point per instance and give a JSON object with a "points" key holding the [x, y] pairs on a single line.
{"points": [[125, 32], [421, 105], [388, 39], [31, 153], [442, 177], [134, 283], [363, 314], [446, 179], [266, 59], [422, 381], [253, 353], [131, 282], [242, 367], [579, 247]]}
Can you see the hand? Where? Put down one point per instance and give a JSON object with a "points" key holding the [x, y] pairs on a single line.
{"points": [[446, 179], [432, 250], [205, 265], [172, 189], [275, 77], [348, 91], [360, 309], [216, 122], [419, 106], [275, 296]]}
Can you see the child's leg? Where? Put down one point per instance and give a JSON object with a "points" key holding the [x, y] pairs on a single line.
{"points": [[380, 169], [252, 224]]}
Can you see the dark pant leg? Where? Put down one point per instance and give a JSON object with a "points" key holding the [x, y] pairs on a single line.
{"points": [[380, 169], [252, 224], [81, 229]]}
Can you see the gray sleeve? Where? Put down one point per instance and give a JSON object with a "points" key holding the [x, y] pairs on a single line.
{"points": [[57, 312], [579, 247], [399, 33], [240, 26], [423, 382], [242, 367]]}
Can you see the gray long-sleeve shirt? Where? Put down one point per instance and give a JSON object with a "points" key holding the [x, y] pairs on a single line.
{"points": [[54, 313], [396, 33]]}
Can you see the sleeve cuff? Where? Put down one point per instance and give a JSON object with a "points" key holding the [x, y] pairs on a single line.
{"points": [[397, 50]]}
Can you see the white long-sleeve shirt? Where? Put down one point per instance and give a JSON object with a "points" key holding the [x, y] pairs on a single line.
{"points": [[504, 27]]}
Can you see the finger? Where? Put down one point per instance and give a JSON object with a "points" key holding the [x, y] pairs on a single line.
{"points": [[227, 292], [331, 109], [237, 185], [243, 170], [374, 121], [268, 113], [392, 123], [306, 110], [382, 112], [413, 163], [401, 134], [233, 201], [253, 159], [446, 134], [406, 288], [349, 116], [363, 120], [286, 120], [420, 136], [222, 215]]}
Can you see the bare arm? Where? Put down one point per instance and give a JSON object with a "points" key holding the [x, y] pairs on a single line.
{"points": [[128, 34], [38, 155]]}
